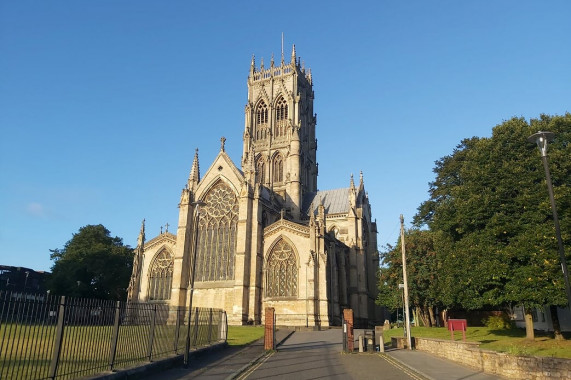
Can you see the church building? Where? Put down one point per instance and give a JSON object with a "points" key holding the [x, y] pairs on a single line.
{"points": [[264, 235]]}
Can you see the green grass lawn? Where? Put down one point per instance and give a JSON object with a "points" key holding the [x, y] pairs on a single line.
{"points": [[511, 341], [242, 335]]}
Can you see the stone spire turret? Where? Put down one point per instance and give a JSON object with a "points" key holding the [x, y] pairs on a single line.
{"points": [[194, 177], [293, 58]]}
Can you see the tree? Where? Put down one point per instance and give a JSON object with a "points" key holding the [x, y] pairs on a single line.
{"points": [[489, 203], [423, 284], [92, 265]]}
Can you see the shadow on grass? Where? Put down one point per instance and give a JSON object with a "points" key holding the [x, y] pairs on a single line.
{"points": [[513, 333]]}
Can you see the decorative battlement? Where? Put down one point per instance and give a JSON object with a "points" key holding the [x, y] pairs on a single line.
{"points": [[279, 71]]}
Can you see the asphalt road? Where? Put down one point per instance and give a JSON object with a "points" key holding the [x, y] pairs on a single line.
{"points": [[318, 355]]}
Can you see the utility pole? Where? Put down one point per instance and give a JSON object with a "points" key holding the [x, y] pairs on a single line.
{"points": [[405, 280]]}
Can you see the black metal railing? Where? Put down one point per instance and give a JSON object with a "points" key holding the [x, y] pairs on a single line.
{"points": [[50, 337]]}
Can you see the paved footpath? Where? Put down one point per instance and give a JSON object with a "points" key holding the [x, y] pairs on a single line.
{"points": [[317, 355], [307, 355]]}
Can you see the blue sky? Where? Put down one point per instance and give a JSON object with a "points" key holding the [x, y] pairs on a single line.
{"points": [[103, 102]]}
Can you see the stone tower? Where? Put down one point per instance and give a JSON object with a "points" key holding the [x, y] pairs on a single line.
{"points": [[279, 136]]}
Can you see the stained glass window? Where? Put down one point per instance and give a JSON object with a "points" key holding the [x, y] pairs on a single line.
{"points": [[160, 276], [281, 271], [217, 235]]}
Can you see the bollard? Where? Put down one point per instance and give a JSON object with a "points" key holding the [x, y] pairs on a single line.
{"points": [[361, 343], [379, 341]]}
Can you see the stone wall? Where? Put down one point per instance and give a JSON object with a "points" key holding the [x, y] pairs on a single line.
{"points": [[509, 366]]}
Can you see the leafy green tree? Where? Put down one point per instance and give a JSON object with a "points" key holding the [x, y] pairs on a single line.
{"points": [[92, 265], [421, 272], [490, 206]]}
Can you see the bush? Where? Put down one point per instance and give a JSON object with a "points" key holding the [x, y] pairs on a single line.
{"points": [[498, 322]]}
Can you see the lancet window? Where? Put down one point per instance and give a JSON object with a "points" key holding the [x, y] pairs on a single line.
{"points": [[160, 276], [281, 271], [260, 170], [278, 168], [281, 117], [261, 121], [217, 227]]}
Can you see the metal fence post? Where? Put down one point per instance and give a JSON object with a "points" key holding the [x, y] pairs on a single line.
{"points": [[58, 339], [152, 334], [176, 331], [196, 312], [209, 325], [115, 335]]}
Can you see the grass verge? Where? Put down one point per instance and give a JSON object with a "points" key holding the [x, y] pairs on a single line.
{"points": [[511, 341], [242, 335]]}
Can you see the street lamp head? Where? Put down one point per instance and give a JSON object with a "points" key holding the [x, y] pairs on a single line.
{"points": [[541, 139]]}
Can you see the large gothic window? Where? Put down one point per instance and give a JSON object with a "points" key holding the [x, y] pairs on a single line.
{"points": [[278, 168], [217, 235], [281, 271], [261, 121], [281, 117], [260, 170], [160, 276]]}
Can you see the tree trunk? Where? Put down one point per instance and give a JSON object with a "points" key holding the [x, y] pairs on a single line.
{"points": [[529, 334], [431, 316], [555, 320]]}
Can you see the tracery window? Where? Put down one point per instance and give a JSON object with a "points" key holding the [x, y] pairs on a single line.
{"points": [[217, 235], [281, 271], [160, 276], [261, 121], [262, 113], [260, 170], [281, 117], [278, 168]]}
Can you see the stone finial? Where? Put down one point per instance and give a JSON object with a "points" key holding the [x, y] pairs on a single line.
{"points": [[272, 61], [361, 178], [222, 142], [293, 59], [282, 213], [262, 64], [167, 227], [141, 238], [352, 183], [194, 176], [253, 64]]}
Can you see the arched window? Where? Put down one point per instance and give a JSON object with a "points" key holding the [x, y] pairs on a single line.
{"points": [[278, 168], [262, 113], [260, 170], [261, 121], [160, 276], [281, 117], [217, 235], [281, 271]]}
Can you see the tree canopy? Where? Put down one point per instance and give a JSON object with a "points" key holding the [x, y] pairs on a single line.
{"points": [[92, 265], [491, 218]]}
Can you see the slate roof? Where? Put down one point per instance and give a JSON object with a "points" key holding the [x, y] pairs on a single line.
{"points": [[335, 201]]}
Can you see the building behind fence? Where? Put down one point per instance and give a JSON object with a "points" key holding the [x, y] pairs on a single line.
{"points": [[52, 337]]}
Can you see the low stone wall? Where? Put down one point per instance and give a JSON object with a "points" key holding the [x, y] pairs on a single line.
{"points": [[509, 366]]}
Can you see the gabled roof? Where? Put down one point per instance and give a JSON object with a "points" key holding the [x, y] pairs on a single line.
{"points": [[335, 201]]}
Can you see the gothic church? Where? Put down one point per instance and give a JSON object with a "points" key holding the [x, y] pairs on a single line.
{"points": [[265, 236]]}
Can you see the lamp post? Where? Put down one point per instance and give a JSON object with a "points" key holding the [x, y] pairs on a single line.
{"points": [[405, 280], [197, 206], [541, 139]]}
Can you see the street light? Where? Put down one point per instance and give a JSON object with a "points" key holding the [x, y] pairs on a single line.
{"points": [[541, 139], [197, 206], [405, 285]]}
